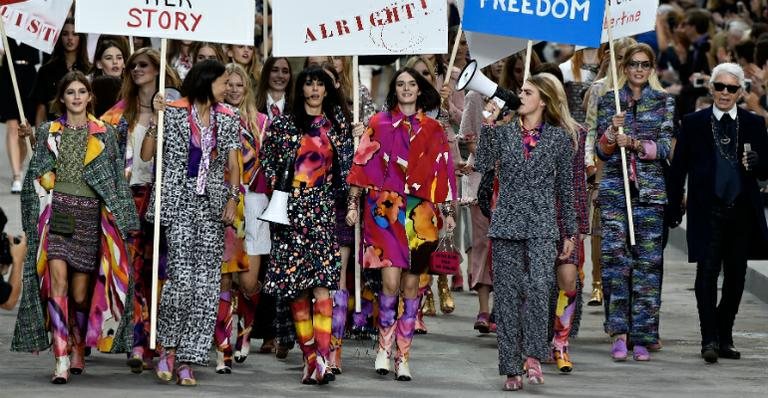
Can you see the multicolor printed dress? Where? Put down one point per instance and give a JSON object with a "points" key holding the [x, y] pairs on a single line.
{"points": [[406, 166], [306, 254]]}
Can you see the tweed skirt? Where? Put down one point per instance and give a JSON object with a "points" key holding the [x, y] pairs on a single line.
{"points": [[81, 249]]}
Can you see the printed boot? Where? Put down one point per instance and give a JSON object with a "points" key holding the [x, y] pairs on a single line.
{"points": [[323, 325], [387, 308], [339, 324], [406, 326], [58, 312], [306, 338], [222, 334]]}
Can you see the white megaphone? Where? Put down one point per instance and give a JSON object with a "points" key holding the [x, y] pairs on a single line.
{"points": [[277, 210], [472, 78]]}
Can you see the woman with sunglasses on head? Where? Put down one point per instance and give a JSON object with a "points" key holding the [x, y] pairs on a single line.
{"points": [[247, 239], [201, 139], [534, 157], [135, 119], [77, 211], [310, 149], [404, 172], [632, 274]]}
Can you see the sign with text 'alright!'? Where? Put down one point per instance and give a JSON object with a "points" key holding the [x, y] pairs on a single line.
{"points": [[359, 27], [562, 21], [230, 22]]}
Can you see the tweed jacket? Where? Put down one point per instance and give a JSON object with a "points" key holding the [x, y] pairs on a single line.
{"points": [[104, 174], [650, 120], [176, 143], [528, 189], [283, 139]]}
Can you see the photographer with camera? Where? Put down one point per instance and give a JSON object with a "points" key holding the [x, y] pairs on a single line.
{"points": [[12, 252]]}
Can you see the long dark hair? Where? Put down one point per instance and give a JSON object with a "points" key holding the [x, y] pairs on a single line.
{"points": [[344, 101], [263, 87], [105, 44], [82, 48], [427, 100], [331, 102]]}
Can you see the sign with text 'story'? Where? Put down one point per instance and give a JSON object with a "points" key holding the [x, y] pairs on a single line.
{"points": [[230, 22], [562, 21], [359, 27], [37, 23]]}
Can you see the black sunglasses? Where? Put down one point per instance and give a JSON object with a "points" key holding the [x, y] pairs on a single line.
{"points": [[722, 86], [140, 64]]}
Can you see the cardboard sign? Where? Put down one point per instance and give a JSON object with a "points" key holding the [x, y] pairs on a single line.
{"points": [[629, 18], [230, 22], [36, 23], [561, 21], [359, 27]]}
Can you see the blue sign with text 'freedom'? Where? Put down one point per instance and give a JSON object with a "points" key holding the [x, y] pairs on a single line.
{"points": [[563, 21]]}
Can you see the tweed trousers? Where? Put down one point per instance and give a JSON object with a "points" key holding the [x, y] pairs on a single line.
{"points": [[523, 274]]}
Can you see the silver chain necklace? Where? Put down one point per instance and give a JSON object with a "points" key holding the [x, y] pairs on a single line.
{"points": [[723, 142]]}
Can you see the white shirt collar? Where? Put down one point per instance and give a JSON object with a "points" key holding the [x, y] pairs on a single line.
{"points": [[280, 104], [719, 114]]}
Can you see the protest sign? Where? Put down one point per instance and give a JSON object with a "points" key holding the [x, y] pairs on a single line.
{"points": [[562, 21], [230, 22], [36, 23], [359, 27], [629, 18]]}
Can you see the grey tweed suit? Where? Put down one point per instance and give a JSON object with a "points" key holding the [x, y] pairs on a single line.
{"points": [[524, 233]]}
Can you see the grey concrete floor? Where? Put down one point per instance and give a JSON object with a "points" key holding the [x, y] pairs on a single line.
{"points": [[450, 361]]}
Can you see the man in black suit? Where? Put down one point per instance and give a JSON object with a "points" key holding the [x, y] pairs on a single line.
{"points": [[723, 150]]}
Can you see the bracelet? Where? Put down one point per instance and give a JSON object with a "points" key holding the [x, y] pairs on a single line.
{"points": [[572, 238], [448, 210], [151, 133], [353, 201], [234, 193]]}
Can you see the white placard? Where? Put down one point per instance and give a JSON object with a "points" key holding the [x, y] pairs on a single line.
{"points": [[230, 21], [36, 23], [629, 18], [359, 27], [487, 49]]}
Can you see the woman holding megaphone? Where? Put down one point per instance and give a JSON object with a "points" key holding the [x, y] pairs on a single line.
{"points": [[534, 155], [306, 155]]}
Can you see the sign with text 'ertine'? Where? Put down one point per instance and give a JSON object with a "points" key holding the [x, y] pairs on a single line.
{"points": [[230, 21], [629, 17], [36, 23], [562, 21], [359, 27]]}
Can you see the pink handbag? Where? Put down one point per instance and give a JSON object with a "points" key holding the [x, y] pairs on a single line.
{"points": [[445, 260]]}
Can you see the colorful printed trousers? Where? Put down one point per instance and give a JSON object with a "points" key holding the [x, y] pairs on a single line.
{"points": [[632, 275]]}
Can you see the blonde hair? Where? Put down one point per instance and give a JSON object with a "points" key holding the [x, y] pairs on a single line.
{"points": [[129, 91], [556, 112], [620, 46], [415, 60], [248, 106], [653, 79], [345, 76]]}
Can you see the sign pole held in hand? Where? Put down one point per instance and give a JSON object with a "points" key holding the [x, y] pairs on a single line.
{"points": [[14, 81], [528, 52], [615, 76], [453, 57], [158, 192], [356, 119]]}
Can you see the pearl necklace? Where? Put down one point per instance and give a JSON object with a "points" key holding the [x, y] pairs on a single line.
{"points": [[76, 127]]}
